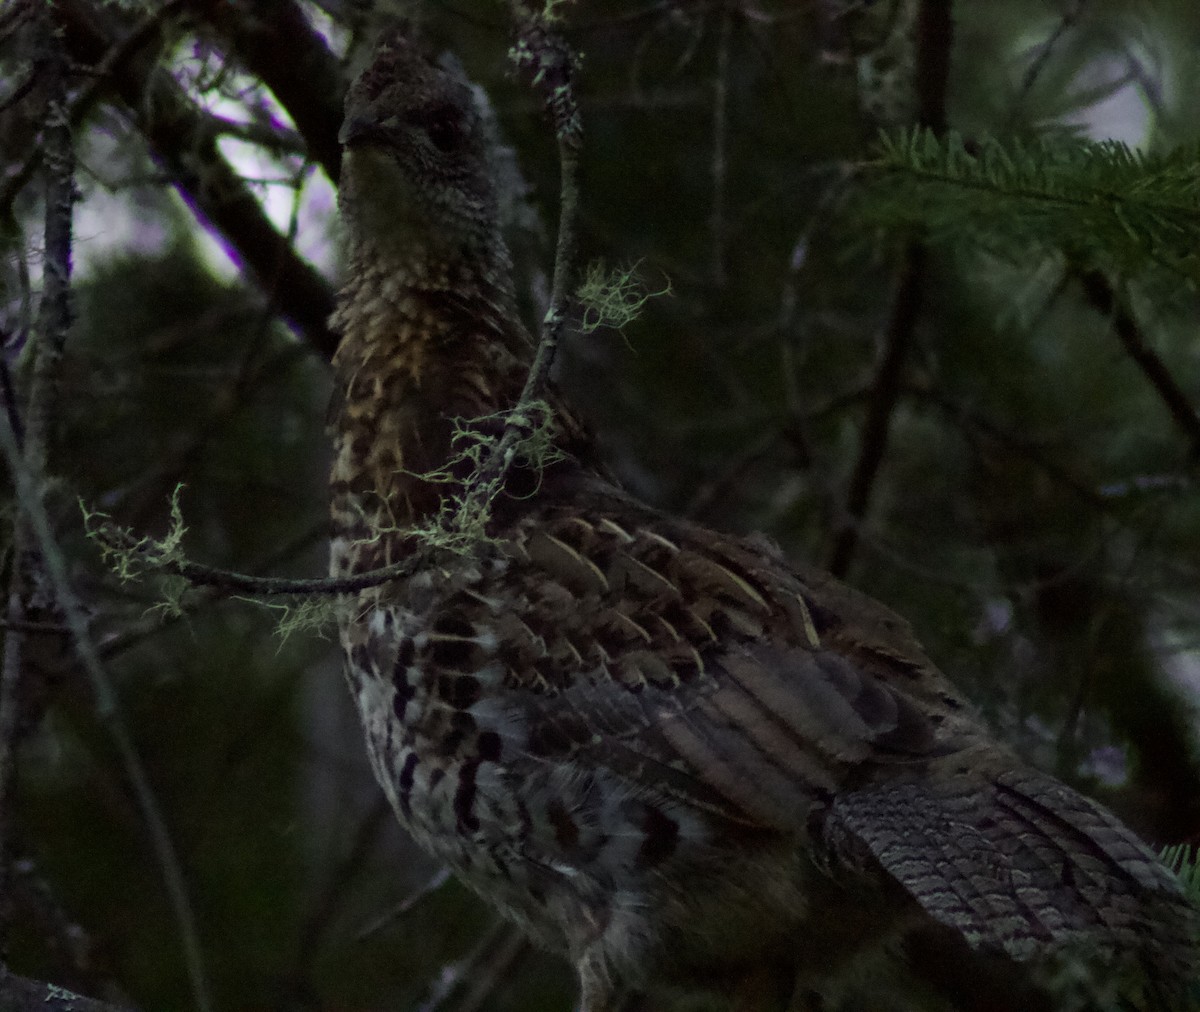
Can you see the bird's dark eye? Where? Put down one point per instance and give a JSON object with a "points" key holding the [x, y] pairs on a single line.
{"points": [[444, 127]]}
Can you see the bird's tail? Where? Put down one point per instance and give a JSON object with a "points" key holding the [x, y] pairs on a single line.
{"points": [[1020, 864]]}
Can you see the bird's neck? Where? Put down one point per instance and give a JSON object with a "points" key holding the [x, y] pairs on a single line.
{"points": [[428, 341]]}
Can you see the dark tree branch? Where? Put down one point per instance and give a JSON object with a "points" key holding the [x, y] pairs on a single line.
{"points": [[147, 555], [54, 321], [275, 43], [1103, 297], [136, 37], [183, 141], [273, 138], [935, 33], [885, 392]]}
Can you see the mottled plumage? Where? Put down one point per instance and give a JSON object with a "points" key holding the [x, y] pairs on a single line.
{"points": [[671, 754]]}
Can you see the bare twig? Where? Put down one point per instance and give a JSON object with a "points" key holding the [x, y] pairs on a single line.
{"points": [[133, 634], [435, 882], [882, 404], [934, 42], [551, 63], [148, 554], [1103, 297]]}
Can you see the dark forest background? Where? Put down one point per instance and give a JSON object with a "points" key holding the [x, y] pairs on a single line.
{"points": [[940, 378]]}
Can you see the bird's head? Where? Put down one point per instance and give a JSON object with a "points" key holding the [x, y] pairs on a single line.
{"points": [[415, 164]]}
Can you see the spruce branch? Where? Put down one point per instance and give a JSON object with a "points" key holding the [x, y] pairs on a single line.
{"points": [[1184, 860], [1102, 203]]}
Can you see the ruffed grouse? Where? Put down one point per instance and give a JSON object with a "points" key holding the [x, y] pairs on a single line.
{"points": [[668, 753]]}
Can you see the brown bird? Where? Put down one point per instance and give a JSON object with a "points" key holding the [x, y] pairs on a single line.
{"points": [[676, 757]]}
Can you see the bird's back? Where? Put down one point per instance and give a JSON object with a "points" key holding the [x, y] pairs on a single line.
{"points": [[665, 751]]}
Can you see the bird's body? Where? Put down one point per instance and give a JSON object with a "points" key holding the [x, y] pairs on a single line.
{"points": [[668, 753]]}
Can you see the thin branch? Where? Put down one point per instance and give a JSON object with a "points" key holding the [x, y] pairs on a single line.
{"points": [[231, 582], [107, 710], [885, 392], [435, 882], [34, 627], [133, 40], [1103, 297], [551, 63], [935, 40], [265, 135], [275, 42], [935, 34], [55, 310], [133, 634], [53, 323], [1045, 51], [970, 422]]}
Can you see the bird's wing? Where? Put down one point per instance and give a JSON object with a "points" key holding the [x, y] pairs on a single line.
{"points": [[714, 684], [698, 669]]}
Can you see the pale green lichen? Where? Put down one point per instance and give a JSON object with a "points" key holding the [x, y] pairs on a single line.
{"points": [[461, 524], [128, 555], [550, 13], [315, 615], [613, 298]]}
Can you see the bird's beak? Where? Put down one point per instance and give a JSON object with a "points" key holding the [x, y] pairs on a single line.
{"points": [[356, 131]]}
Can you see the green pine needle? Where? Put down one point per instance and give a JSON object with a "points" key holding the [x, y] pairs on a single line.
{"points": [[1101, 203]]}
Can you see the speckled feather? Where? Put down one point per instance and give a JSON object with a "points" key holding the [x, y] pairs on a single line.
{"points": [[668, 753]]}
